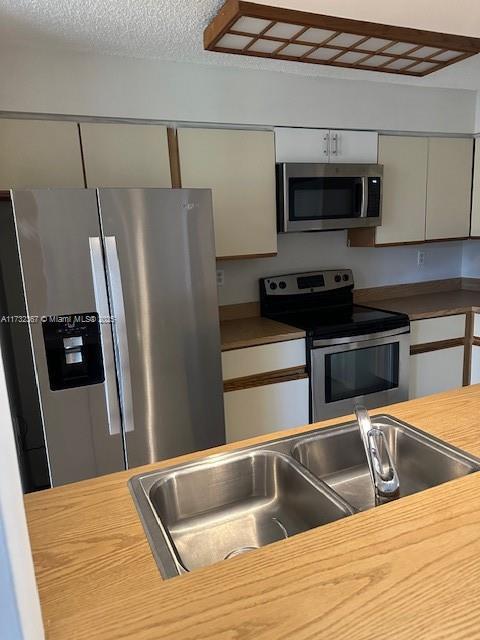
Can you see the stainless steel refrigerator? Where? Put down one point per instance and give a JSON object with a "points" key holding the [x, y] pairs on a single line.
{"points": [[115, 356]]}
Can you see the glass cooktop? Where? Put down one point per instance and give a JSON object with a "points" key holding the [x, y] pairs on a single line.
{"points": [[349, 321]]}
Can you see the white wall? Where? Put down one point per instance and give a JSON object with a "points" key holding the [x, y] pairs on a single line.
{"points": [[471, 259], [371, 267], [85, 84]]}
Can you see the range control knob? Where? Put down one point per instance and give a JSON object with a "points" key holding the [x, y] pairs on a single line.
{"points": [[273, 286], [282, 285], [338, 278], [346, 277]]}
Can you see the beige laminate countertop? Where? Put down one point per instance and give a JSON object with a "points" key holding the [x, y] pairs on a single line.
{"points": [[251, 332], [430, 305], [407, 570]]}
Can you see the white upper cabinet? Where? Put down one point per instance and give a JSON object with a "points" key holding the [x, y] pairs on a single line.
{"points": [[449, 185], [301, 145], [475, 230], [354, 147], [125, 155], [239, 167], [39, 153], [325, 145], [405, 161]]}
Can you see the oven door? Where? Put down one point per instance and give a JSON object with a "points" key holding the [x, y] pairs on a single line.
{"points": [[318, 197], [372, 370]]}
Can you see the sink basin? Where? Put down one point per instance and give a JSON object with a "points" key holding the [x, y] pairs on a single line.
{"points": [[337, 456], [218, 509], [198, 513]]}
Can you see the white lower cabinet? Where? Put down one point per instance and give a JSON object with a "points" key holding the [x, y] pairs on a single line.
{"points": [[476, 325], [475, 370], [438, 329], [261, 410], [436, 371]]}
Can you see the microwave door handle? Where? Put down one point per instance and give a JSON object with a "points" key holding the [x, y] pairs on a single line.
{"points": [[364, 209], [101, 300], [120, 332]]}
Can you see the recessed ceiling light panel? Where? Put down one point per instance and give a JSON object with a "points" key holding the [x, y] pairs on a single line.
{"points": [[247, 28]]}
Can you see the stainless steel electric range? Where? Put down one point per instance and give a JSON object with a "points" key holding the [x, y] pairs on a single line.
{"points": [[354, 353]]}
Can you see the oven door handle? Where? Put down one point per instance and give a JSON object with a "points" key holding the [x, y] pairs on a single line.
{"points": [[330, 342]]}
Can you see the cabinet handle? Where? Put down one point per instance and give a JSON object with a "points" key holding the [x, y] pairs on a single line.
{"points": [[335, 144], [326, 146]]}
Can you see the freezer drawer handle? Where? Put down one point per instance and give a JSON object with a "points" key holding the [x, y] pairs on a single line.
{"points": [[120, 332], [101, 299]]}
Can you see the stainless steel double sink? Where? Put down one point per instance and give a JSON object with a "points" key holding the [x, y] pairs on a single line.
{"points": [[199, 513]]}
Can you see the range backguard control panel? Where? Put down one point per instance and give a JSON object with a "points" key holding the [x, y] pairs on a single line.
{"points": [[74, 350]]}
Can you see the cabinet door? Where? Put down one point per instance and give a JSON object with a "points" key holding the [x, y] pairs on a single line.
{"points": [[261, 410], [404, 162], [39, 153], [475, 230], [476, 325], [125, 155], [353, 146], [436, 371], [449, 185], [475, 370], [239, 167], [301, 145]]}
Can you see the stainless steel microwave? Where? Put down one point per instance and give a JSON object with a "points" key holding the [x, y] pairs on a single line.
{"points": [[321, 197]]}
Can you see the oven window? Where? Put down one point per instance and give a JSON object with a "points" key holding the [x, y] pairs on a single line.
{"points": [[361, 371], [325, 198]]}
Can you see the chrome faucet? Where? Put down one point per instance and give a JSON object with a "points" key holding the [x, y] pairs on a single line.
{"points": [[386, 484]]}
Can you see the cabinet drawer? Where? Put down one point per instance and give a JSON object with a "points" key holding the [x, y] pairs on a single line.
{"points": [[438, 329], [263, 359], [262, 410], [436, 371], [476, 325]]}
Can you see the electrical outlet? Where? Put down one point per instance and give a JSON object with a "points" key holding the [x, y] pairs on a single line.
{"points": [[420, 258], [220, 277]]}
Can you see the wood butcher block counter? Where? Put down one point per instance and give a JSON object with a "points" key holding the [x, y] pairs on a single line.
{"points": [[409, 569]]}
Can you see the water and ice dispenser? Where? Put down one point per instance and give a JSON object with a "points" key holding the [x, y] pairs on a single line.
{"points": [[73, 349]]}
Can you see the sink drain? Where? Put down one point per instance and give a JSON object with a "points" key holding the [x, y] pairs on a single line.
{"points": [[239, 551]]}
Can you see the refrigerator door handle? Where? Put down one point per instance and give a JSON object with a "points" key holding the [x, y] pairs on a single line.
{"points": [[120, 332], [101, 299]]}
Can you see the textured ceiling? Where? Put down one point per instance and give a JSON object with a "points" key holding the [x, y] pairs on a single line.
{"points": [[167, 30]]}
